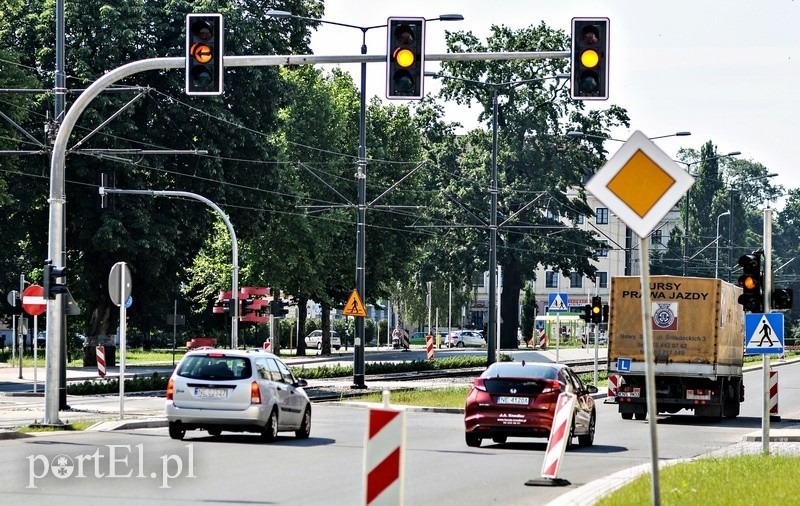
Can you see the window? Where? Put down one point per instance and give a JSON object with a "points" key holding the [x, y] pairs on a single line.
{"points": [[602, 251], [656, 237], [575, 280], [601, 216], [602, 279], [553, 215], [550, 279], [579, 221]]}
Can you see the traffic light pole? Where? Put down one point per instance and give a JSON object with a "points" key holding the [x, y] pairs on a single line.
{"points": [[56, 218], [765, 365]]}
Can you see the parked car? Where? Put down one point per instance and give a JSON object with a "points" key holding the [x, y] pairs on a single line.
{"points": [[236, 390], [314, 340], [463, 338], [518, 399]]}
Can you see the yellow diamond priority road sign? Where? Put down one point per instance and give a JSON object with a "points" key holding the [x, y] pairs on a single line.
{"points": [[640, 184]]}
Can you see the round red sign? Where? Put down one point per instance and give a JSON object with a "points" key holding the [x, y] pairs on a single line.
{"points": [[33, 301]]}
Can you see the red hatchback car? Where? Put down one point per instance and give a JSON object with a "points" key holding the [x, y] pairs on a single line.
{"points": [[518, 399]]}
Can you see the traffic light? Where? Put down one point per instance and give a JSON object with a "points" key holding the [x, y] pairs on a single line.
{"points": [[405, 58], [587, 313], [605, 313], [277, 308], [752, 297], [597, 309], [589, 59], [204, 51], [50, 280], [782, 298], [248, 307]]}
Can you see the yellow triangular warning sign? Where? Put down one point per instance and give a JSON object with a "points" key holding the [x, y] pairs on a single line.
{"points": [[354, 306]]}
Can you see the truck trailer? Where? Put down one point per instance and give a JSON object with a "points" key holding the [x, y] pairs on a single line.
{"points": [[698, 342]]}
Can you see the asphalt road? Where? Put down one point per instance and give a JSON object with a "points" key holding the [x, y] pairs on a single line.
{"points": [[147, 466]]}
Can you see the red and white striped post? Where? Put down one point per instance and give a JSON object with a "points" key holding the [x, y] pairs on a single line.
{"points": [[613, 384], [429, 345], [773, 397], [101, 361], [557, 443], [543, 340], [384, 456]]}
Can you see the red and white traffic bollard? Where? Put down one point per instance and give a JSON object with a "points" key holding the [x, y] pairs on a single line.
{"points": [[543, 340], [613, 384], [101, 361], [384, 455], [429, 345], [557, 443], [773, 397]]}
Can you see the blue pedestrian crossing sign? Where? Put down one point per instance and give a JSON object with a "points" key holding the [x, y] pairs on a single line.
{"points": [[763, 333], [558, 303]]}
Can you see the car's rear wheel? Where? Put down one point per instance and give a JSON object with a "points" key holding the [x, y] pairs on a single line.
{"points": [[499, 439], [270, 431], [588, 438], [337, 348], [460, 344], [627, 416], [472, 440], [305, 426], [640, 415], [176, 431], [319, 345], [214, 432]]}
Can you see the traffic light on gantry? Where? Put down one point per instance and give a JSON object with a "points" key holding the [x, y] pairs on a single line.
{"points": [[751, 281], [589, 59], [597, 310], [405, 58], [204, 51], [782, 298]]}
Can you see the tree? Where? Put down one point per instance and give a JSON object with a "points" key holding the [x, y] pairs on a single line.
{"points": [[537, 164], [156, 237]]}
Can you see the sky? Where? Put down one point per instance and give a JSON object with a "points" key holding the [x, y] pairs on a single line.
{"points": [[726, 71]]}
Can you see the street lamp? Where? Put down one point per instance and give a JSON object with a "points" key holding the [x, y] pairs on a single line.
{"points": [[491, 338], [581, 135], [716, 240], [361, 175], [686, 201]]}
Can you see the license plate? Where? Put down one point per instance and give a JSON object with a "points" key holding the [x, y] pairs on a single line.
{"points": [[210, 393], [512, 400]]}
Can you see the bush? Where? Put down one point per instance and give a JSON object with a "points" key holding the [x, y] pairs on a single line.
{"points": [[136, 384]]}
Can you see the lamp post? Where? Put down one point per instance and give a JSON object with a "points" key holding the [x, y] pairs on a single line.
{"points": [[686, 203], [716, 246], [491, 338], [361, 175]]}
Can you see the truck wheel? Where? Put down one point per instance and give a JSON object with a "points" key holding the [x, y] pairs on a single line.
{"points": [[627, 416], [640, 415]]}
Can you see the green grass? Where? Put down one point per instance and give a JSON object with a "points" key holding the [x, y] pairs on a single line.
{"points": [[77, 425], [747, 479], [449, 397]]}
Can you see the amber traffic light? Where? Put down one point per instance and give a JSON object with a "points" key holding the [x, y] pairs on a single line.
{"points": [[589, 58], [204, 51], [405, 58]]}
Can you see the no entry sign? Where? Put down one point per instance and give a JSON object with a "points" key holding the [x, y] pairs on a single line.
{"points": [[33, 301]]}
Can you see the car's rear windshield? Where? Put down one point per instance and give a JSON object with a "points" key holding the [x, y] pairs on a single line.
{"points": [[533, 371], [215, 368]]}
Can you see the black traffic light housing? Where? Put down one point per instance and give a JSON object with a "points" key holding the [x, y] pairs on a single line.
{"points": [[277, 308], [204, 52], [50, 278], [751, 281], [107, 180], [587, 313], [589, 58], [405, 58], [597, 309], [606, 312], [782, 298]]}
